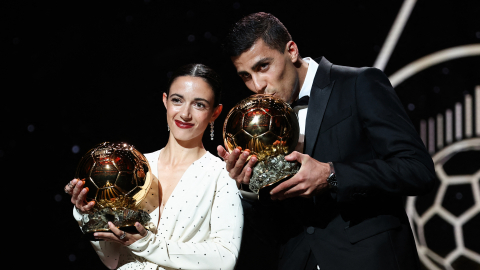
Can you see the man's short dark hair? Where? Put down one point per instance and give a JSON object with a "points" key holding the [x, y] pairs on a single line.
{"points": [[249, 29]]}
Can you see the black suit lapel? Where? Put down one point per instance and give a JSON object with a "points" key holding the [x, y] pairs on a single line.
{"points": [[319, 95]]}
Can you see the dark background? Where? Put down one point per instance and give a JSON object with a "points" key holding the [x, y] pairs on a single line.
{"points": [[79, 73]]}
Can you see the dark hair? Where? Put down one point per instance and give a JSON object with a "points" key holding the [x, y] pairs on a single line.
{"points": [[200, 71], [249, 29]]}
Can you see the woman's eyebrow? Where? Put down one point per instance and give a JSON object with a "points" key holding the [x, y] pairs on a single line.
{"points": [[202, 99], [180, 96], [196, 99]]}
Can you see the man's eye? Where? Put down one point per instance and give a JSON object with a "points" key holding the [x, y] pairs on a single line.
{"points": [[264, 66], [245, 76]]}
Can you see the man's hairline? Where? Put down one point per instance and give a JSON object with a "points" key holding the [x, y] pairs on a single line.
{"points": [[255, 42]]}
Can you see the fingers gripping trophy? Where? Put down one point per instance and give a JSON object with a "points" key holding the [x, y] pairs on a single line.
{"points": [[269, 128], [117, 177]]}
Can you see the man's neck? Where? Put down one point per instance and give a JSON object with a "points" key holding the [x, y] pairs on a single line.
{"points": [[302, 68]]}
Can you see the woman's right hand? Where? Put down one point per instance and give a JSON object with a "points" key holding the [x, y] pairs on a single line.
{"points": [[79, 195]]}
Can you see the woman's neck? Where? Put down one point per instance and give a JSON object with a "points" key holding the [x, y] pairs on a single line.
{"points": [[181, 152]]}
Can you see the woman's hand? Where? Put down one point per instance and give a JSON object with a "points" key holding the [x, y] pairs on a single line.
{"points": [[79, 195], [120, 236]]}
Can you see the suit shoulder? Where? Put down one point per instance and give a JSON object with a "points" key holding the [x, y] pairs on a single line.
{"points": [[349, 72]]}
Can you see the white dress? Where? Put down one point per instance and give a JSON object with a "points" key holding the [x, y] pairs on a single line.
{"points": [[200, 228]]}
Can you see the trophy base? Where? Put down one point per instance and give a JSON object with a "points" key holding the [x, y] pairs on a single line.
{"points": [[270, 172], [122, 218], [264, 192], [129, 229]]}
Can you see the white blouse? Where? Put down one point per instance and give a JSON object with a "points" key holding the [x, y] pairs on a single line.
{"points": [[200, 228]]}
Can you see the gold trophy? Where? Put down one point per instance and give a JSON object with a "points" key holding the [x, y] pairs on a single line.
{"points": [[117, 177], [268, 127]]}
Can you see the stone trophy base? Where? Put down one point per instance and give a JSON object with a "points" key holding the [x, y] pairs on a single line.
{"points": [[122, 218], [269, 173]]}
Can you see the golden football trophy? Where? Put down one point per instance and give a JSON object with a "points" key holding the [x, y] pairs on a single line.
{"points": [[117, 177], [268, 127]]}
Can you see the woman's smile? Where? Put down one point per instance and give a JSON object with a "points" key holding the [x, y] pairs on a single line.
{"points": [[181, 124]]}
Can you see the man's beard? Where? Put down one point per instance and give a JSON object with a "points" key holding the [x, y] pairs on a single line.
{"points": [[294, 93]]}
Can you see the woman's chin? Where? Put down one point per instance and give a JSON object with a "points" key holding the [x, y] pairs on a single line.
{"points": [[185, 136]]}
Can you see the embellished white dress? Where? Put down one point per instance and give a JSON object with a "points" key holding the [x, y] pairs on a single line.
{"points": [[200, 227]]}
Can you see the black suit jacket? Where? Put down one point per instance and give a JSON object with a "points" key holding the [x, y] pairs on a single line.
{"points": [[356, 121]]}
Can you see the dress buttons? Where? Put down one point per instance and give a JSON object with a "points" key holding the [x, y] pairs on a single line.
{"points": [[310, 230]]}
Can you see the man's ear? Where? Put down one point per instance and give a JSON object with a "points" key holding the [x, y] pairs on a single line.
{"points": [[216, 112], [292, 50], [164, 98]]}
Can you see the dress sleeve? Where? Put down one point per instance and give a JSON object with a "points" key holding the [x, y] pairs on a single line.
{"points": [[107, 251], [218, 251], [402, 165]]}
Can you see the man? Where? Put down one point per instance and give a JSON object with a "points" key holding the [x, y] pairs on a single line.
{"points": [[361, 155]]}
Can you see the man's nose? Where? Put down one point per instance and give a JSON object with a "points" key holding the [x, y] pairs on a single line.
{"points": [[260, 85]]}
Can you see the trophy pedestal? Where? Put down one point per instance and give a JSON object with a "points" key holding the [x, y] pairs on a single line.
{"points": [[269, 173], [264, 192], [129, 229], [122, 218]]}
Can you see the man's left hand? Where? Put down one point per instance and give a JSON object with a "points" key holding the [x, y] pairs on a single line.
{"points": [[310, 180]]}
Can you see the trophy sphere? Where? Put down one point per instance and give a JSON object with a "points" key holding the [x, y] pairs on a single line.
{"points": [[116, 175], [112, 170], [263, 124], [269, 128]]}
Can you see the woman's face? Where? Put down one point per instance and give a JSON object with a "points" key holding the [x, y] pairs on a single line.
{"points": [[190, 107]]}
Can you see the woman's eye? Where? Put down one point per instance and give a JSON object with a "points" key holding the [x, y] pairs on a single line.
{"points": [[200, 105], [175, 100]]}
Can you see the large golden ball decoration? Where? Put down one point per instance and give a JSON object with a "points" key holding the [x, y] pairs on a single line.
{"points": [[264, 124]]}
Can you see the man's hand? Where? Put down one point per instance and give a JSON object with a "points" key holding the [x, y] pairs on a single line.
{"points": [[235, 162], [310, 180]]}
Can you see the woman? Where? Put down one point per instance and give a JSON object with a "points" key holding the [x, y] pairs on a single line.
{"points": [[198, 223]]}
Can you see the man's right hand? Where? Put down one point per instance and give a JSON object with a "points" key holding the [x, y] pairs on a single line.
{"points": [[235, 162]]}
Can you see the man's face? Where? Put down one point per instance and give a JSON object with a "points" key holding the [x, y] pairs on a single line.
{"points": [[267, 71]]}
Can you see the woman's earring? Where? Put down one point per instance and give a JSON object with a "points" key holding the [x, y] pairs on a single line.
{"points": [[168, 127], [211, 130]]}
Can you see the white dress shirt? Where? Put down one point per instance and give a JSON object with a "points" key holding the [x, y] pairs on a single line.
{"points": [[305, 91], [200, 228]]}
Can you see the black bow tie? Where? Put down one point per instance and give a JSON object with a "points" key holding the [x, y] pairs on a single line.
{"points": [[300, 102]]}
